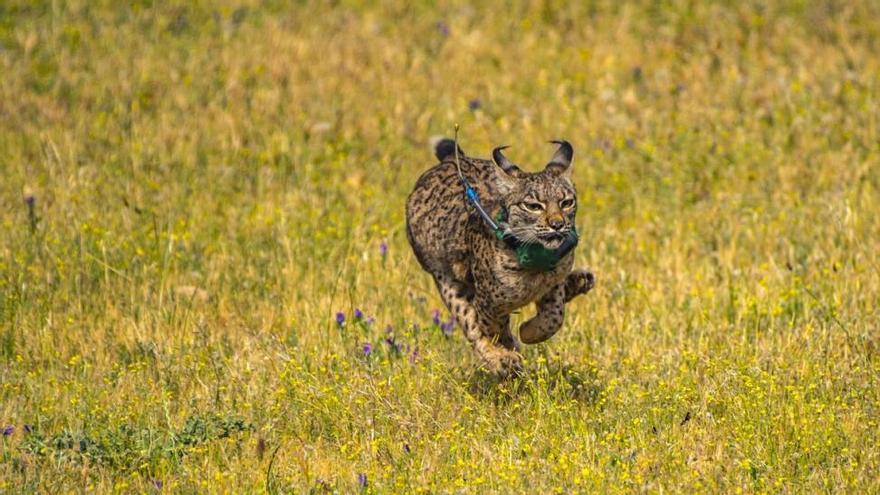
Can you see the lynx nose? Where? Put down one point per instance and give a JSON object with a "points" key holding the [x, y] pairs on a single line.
{"points": [[557, 223]]}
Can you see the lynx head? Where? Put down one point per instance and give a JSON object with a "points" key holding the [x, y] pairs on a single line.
{"points": [[540, 206]]}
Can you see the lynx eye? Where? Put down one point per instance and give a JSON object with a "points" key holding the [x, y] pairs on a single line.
{"points": [[533, 207], [566, 204]]}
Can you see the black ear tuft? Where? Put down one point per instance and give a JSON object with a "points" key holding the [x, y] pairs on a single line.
{"points": [[560, 164], [565, 151], [508, 166], [445, 148]]}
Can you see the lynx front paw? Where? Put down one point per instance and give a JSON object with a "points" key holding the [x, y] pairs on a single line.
{"points": [[499, 360], [578, 282]]}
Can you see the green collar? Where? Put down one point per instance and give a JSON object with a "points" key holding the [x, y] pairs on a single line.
{"points": [[534, 257]]}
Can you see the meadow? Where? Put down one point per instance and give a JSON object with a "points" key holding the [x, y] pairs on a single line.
{"points": [[205, 284]]}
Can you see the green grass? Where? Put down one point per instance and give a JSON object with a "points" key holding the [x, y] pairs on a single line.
{"points": [[212, 182]]}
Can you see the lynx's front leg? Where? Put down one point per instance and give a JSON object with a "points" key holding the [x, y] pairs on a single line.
{"points": [[551, 311], [551, 308], [496, 345], [490, 336]]}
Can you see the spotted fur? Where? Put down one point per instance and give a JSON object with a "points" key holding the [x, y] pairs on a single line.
{"points": [[478, 276]]}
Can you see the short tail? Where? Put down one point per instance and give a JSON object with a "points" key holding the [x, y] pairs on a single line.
{"points": [[445, 148]]}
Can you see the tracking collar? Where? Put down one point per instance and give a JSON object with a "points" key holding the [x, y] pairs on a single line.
{"points": [[530, 256]]}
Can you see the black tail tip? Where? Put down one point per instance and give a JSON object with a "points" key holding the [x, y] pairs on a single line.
{"points": [[445, 148]]}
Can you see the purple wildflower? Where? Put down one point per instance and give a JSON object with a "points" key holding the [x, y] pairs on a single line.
{"points": [[371, 320], [475, 104], [442, 28], [362, 480], [30, 200], [28, 428], [368, 349], [435, 317], [392, 344], [358, 314], [340, 318], [383, 249], [157, 484], [448, 326], [8, 430], [414, 356]]}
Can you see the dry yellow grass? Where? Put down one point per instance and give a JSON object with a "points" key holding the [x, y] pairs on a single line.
{"points": [[211, 183]]}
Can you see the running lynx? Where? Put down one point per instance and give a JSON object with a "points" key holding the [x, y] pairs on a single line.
{"points": [[478, 274]]}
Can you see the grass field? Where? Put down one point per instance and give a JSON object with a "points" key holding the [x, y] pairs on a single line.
{"points": [[191, 192]]}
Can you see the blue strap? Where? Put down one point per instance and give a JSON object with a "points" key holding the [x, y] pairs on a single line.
{"points": [[472, 196], [471, 193]]}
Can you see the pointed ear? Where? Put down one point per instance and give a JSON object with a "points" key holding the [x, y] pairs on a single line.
{"points": [[560, 164], [506, 172]]}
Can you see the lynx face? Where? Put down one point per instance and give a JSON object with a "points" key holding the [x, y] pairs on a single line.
{"points": [[541, 207]]}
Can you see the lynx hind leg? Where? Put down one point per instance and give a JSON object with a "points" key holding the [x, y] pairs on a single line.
{"points": [[578, 282], [491, 338], [548, 320]]}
